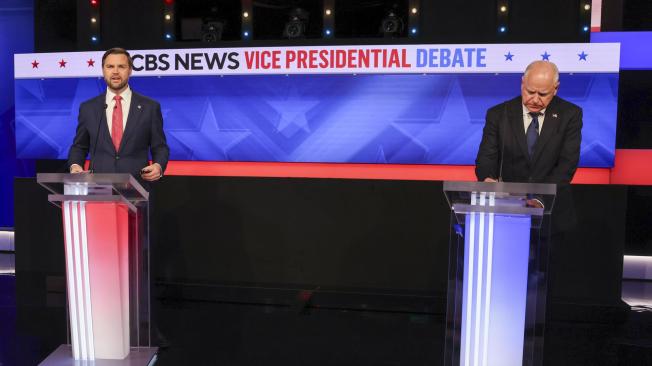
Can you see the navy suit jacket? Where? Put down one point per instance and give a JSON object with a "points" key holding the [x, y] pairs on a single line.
{"points": [[143, 134], [556, 153]]}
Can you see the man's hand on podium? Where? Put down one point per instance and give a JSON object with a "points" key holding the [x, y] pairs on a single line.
{"points": [[151, 172], [490, 180], [75, 168], [534, 202]]}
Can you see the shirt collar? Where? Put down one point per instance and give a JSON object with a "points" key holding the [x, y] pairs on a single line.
{"points": [[126, 94], [526, 112]]}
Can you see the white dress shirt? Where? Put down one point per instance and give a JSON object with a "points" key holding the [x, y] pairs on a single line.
{"points": [[527, 119], [110, 102]]}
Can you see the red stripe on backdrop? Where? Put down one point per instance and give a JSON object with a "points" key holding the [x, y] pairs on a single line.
{"points": [[350, 171], [322, 170], [632, 167]]}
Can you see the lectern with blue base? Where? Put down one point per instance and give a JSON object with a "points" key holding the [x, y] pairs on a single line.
{"points": [[497, 273], [105, 221]]}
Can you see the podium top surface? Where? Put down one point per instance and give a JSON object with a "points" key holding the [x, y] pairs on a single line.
{"points": [[543, 189], [534, 199], [93, 184]]}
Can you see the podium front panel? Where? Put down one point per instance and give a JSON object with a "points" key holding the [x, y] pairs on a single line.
{"points": [[497, 278], [105, 220]]}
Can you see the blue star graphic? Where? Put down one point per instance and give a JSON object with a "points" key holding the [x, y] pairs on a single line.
{"points": [[292, 111], [509, 56], [546, 56], [582, 56], [209, 141]]}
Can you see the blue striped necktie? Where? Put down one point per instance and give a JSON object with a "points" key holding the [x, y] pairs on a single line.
{"points": [[532, 132]]}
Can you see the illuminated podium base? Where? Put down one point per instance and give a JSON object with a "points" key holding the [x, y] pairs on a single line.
{"points": [[62, 356], [106, 241]]}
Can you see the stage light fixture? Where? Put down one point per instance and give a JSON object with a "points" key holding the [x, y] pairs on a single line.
{"points": [[587, 6], [94, 39], [586, 28], [294, 28], [296, 25], [328, 11], [93, 20], [211, 31], [168, 23], [502, 17], [413, 21], [95, 2], [327, 32], [392, 25], [246, 25]]}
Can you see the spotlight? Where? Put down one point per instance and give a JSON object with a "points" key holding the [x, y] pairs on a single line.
{"points": [[93, 20], [587, 6], [414, 10], [95, 2], [296, 25], [503, 29], [212, 26], [245, 15], [329, 12], [168, 2], [94, 39], [391, 25], [168, 36], [328, 32], [586, 28], [168, 16], [245, 34], [211, 31], [413, 31], [503, 9]]}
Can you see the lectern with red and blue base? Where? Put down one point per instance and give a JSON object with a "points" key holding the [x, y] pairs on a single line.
{"points": [[497, 273], [105, 222]]}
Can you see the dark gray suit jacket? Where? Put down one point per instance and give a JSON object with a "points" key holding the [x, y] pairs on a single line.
{"points": [[143, 134], [556, 154]]}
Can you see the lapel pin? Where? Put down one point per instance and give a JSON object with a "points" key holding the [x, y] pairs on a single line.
{"points": [[554, 115]]}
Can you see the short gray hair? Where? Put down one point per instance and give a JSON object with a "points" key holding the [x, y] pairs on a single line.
{"points": [[555, 70]]}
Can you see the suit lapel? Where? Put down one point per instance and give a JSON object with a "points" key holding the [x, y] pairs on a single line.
{"points": [[133, 119], [550, 125], [516, 121], [104, 126]]}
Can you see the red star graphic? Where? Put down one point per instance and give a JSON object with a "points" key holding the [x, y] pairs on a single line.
{"points": [[35, 64], [91, 63], [62, 63]]}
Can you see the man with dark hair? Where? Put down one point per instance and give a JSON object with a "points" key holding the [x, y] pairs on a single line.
{"points": [[120, 127]]}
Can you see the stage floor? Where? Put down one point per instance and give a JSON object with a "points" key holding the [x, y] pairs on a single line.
{"points": [[201, 332]]}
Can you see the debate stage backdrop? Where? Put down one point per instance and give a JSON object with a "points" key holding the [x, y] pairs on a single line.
{"points": [[421, 104]]}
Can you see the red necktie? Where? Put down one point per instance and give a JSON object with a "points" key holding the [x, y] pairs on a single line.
{"points": [[116, 123]]}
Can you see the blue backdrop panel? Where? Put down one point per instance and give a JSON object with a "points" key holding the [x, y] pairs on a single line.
{"points": [[16, 36], [408, 119]]}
